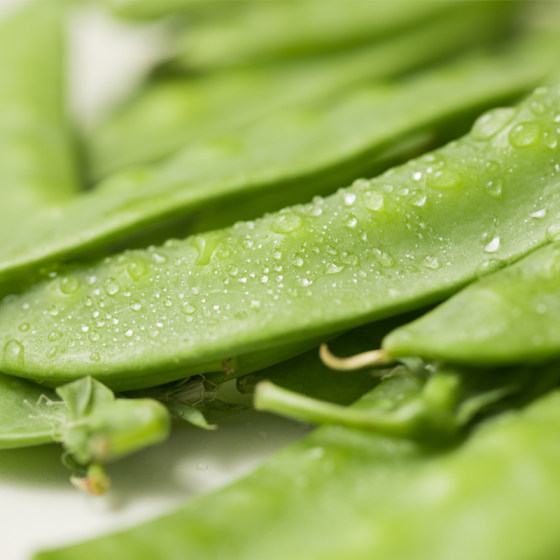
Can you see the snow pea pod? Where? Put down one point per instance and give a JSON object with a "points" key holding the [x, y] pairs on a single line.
{"points": [[36, 153], [93, 426], [346, 494], [320, 146], [410, 237], [169, 114], [271, 31], [506, 318]]}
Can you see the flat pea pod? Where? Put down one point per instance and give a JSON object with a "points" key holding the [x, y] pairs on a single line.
{"points": [[408, 238], [319, 146], [167, 115], [346, 494], [508, 317], [37, 164], [271, 31]]}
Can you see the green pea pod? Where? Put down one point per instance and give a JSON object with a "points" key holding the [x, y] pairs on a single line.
{"points": [[142, 10], [506, 318], [37, 163], [347, 494], [413, 236], [168, 115], [93, 426], [319, 146], [271, 31]]}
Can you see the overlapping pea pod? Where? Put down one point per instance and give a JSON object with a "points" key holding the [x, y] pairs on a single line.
{"points": [[343, 493], [93, 426], [168, 114], [306, 150], [37, 163], [507, 318], [271, 31], [414, 235]]}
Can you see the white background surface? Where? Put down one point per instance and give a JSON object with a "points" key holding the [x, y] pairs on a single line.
{"points": [[38, 506]]}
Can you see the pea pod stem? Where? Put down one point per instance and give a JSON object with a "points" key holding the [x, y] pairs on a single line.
{"points": [[357, 361], [272, 398]]}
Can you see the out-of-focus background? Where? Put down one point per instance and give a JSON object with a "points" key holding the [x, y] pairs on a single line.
{"points": [[38, 506]]}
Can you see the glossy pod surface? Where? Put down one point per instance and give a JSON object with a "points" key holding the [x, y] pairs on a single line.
{"points": [[512, 316], [414, 235], [308, 149], [344, 494]]}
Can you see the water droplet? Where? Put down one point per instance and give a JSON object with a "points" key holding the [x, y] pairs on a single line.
{"points": [[493, 246], [374, 201], [351, 222], [23, 327], [13, 355], [349, 259], [255, 304], [537, 107], [431, 262], [54, 335], [286, 223], [444, 178], [188, 308], [491, 123], [494, 188], [52, 352], [361, 184], [332, 268], [94, 336], [68, 284], [135, 306], [297, 260], [539, 213], [525, 134], [137, 268], [88, 302], [95, 357], [205, 248], [553, 232], [349, 198], [111, 286], [383, 258]]}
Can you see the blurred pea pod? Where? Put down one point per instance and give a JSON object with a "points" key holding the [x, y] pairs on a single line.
{"points": [[37, 156], [509, 317], [264, 32], [347, 494], [410, 237], [169, 114], [307, 150], [192, 9], [85, 417]]}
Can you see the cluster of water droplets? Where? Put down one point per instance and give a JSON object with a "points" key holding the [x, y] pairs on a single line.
{"points": [[330, 259]]}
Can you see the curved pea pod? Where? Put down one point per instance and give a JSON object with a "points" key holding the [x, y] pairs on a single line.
{"points": [[413, 236], [508, 317], [309, 149], [93, 426], [169, 114], [37, 164], [341, 493], [268, 32]]}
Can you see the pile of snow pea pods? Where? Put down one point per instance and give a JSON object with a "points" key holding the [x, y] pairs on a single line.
{"points": [[378, 179]]}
